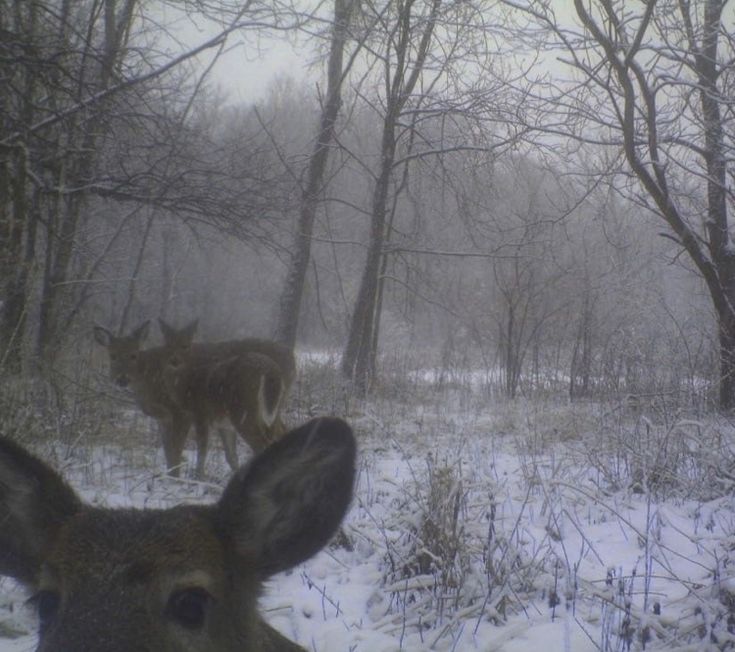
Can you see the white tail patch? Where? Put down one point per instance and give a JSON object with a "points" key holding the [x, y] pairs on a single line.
{"points": [[269, 416]]}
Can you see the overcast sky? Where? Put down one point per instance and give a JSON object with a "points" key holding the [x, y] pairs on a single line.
{"points": [[245, 69], [246, 74]]}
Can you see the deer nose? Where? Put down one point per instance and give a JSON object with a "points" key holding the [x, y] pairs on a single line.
{"points": [[123, 381]]}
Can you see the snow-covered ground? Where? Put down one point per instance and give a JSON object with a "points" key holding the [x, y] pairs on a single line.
{"points": [[514, 528]]}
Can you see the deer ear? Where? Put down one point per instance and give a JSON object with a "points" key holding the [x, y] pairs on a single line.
{"points": [[288, 502], [102, 335], [34, 502]]}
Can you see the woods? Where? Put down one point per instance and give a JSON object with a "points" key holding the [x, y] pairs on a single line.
{"points": [[451, 295], [537, 193]]}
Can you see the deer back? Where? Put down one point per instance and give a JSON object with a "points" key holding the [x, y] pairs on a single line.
{"points": [[281, 354], [248, 389]]}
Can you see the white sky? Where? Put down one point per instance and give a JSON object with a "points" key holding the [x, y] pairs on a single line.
{"points": [[246, 74], [246, 68]]}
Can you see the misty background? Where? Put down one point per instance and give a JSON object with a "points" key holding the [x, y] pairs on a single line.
{"points": [[498, 235], [486, 203]]}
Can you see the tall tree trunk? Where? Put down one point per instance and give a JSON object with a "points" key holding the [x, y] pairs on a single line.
{"points": [[727, 362], [19, 204], [293, 289], [720, 240], [509, 332], [17, 250], [356, 356], [367, 366], [715, 256], [117, 16], [581, 364], [361, 342]]}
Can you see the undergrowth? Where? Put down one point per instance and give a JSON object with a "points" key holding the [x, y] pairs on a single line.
{"points": [[476, 511]]}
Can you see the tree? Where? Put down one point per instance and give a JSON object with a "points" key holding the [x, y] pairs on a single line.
{"points": [[293, 289], [92, 112], [49, 64], [652, 84]]}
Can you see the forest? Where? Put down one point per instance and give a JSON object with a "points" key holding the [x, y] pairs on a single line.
{"points": [[495, 233]]}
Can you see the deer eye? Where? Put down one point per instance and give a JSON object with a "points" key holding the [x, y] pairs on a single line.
{"points": [[188, 607], [133, 356], [47, 605]]}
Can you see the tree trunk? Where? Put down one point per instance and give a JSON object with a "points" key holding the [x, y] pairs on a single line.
{"points": [[17, 250], [727, 362], [61, 248], [17, 230], [367, 362], [581, 364], [362, 342], [357, 353], [293, 289]]}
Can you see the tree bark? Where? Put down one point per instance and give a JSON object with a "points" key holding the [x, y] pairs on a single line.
{"points": [[293, 289], [361, 343], [19, 203], [714, 256], [65, 212]]}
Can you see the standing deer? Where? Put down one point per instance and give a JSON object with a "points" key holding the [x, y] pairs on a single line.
{"points": [[247, 389], [243, 380], [143, 372], [282, 355], [180, 579]]}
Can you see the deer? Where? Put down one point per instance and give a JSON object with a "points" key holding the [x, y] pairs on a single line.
{"points": [[248, 389], [142, 371], [183, 579], [282, 355], [245, 381]]}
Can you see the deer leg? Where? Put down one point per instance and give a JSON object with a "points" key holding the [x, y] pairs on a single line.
{"points": [[167, 431], [173, 434], [249, 428], [278, 429], [172, 465], [229, 443], [202, 437], [268, 412], [182, 423]]}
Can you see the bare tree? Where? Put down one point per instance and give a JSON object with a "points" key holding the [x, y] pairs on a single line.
{"points": [[652, 83], [406, 53], [293, 289], [91, 112]]}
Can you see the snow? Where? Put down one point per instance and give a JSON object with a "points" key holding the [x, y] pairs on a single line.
{"points": [[522, 502]]}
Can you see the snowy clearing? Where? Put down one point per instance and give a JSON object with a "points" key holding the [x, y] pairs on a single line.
{"points": [[513, 528]]}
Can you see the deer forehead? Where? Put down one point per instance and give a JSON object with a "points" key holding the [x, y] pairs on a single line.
{"points": [[120, 345], [173, 548], [123, 356]]}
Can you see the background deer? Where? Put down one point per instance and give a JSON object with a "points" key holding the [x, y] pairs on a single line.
{"points": [[180, 339], [185, 578], [142, 371], [244, 380], [248, 389], [175, 393]]}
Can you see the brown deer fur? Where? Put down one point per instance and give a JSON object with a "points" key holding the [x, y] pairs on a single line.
{"points": [[173, 580]]}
